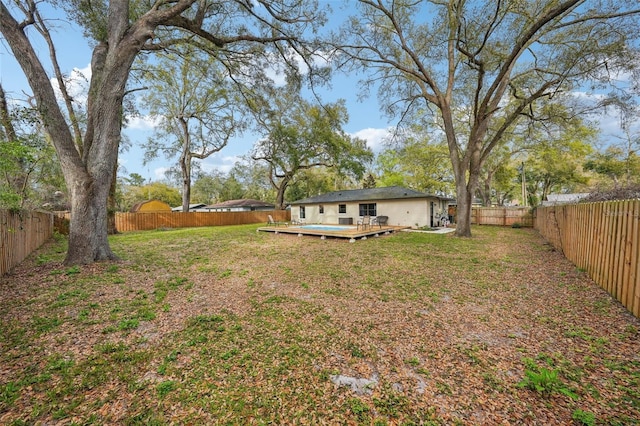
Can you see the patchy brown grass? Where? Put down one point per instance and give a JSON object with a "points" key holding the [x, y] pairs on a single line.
{"points": [[230, 326]]}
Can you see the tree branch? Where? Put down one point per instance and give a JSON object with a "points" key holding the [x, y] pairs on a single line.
{"points": [[496, 90]]}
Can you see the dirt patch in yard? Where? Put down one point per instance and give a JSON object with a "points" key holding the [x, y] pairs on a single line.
{"points": [[230, 326]]}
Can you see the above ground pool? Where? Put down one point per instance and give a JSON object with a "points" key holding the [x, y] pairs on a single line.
{"points": [[328, 227]]}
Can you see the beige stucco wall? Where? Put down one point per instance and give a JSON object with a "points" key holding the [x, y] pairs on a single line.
{"points": [[410, 212]]}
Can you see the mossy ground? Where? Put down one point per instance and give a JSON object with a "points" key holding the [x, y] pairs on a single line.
{"points": [[230, 326]]}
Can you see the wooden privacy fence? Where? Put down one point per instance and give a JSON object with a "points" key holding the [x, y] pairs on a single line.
{"points": [[503, 216], [20, 234], [603, 239], [145, 221]]}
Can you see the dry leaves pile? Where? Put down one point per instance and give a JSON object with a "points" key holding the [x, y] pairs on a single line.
{"points": [[230, 326]]}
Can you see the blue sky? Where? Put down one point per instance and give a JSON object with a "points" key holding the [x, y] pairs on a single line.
{"points": [[366, 120]]}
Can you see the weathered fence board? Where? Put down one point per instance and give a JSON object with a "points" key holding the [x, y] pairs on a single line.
{"points": [[501, 216], [603, 239], [20, 234], [145, 221]]}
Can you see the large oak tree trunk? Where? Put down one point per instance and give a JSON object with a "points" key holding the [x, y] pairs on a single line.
{"points": [[280, 199], [186, 184], [89, 169], [486, 191], [467, 174], [462, 169], [91, 185], [89, 166], [112, 229], [88, 227], [463, 209], [280, 204]]}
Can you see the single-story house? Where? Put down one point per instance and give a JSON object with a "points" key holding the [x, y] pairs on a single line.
{"points": [[403, 207], [243, 205], [192, 207]]}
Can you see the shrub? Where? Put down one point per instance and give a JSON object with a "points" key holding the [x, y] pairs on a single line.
{"points": [[546, 382], [584, 417]]}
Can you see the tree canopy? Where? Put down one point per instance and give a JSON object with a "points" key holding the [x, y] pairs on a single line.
{"points": [[30, 176], [197, 109], [418, 163], [301, 135], [246, 37], [475, 69]]}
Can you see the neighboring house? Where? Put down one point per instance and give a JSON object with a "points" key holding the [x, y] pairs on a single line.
{"points": [[556, 199], [192, 207], [151, 206], [244, 205], [404, 207]]}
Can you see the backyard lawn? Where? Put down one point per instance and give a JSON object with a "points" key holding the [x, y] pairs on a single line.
{"points": [[230, 326]]}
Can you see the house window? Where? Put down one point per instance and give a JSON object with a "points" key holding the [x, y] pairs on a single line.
{"points": [[367, 209], [342, 208], [321, 209], [302, 212]]}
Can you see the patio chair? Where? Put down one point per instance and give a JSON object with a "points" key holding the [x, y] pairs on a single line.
{"points": [[271, 222], [380, 220], [363, 222], [297, 221]]}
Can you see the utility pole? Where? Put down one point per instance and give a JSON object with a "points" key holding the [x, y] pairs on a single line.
{"points": [[524, 187]]}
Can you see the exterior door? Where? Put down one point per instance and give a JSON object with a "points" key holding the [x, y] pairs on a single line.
{"points": [[431, 222]]}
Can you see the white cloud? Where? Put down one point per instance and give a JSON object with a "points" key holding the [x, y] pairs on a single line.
{"points": [[144, 122], [276, 75], [220, 163], [595, 97], [609, 123], [225, 168], [160, 172], [276, 71], [607, 119], [375, 137], [77, 84]]}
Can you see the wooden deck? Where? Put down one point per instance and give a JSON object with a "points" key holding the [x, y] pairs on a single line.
{"points": [[352, 234]]}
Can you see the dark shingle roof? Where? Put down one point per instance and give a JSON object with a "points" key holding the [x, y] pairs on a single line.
{"points": [[371, 194], [191, 207], [245, 202]]}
